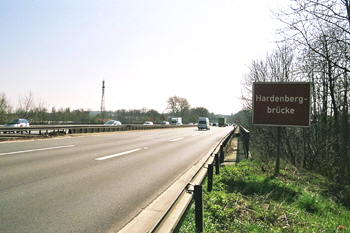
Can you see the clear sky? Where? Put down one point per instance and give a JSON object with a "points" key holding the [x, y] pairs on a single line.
{"points": [[146, 51]]}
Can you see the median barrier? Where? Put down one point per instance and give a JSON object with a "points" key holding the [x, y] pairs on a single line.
{"points": [[55, 130]]}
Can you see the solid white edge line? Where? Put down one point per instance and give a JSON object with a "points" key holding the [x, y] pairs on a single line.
{"points": [[115, 155], [26, 151]]}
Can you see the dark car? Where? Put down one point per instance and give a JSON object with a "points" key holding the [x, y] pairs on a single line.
{"points": [[112, 122]]}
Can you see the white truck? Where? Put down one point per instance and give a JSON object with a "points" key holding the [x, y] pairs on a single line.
{"points": [[176, 121], [203, 123]]}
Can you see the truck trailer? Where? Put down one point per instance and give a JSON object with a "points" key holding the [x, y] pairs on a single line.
{"points": [[222, 122], [176, 121]]}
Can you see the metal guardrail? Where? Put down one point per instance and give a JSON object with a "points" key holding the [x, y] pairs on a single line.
{"points": [[159, 216], [52, 130], [173, 216]]}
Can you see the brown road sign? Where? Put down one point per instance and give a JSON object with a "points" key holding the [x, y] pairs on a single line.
{"points": [[282, 104]]}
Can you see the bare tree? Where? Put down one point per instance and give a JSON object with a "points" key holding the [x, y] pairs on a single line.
{"points": [[40, 113], [277, 67], [26, 106], [306, 20], [178, 106], [320, 31], [5, 108]]}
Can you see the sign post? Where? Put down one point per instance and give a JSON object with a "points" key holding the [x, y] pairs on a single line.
{"points": [[278, 154], [281, 104]]}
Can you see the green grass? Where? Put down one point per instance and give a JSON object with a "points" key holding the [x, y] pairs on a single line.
{"points": [[248, 198]]}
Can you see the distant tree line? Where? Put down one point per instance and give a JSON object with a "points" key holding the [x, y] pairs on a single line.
{"points": [[37, 113], [315, 47]]}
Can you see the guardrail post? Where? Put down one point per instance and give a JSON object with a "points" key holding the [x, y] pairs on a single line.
{"points": [[247, 144], [217, 164], [222, 155], [210, 177], [198, 200]]}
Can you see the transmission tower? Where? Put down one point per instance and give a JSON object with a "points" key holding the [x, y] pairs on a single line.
{"points": [[103, 101]]}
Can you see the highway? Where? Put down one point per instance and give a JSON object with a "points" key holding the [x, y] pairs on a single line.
{"points": [[93, 183]]}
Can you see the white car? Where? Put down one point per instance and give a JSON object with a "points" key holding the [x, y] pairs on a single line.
{"points": [[148, 123], [17, 123]]}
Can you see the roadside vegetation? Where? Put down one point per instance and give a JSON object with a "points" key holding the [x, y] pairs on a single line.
{"points": [[38, 113], [313, 46], [249, 198]]}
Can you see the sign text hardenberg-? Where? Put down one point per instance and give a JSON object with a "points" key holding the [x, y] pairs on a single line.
{"points": [[283, 104]]}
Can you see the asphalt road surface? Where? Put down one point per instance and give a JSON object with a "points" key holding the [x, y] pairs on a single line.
{"points": [[93, 183]]}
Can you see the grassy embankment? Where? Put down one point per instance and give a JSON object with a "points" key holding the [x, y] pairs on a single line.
{"points": [[248, 198]]}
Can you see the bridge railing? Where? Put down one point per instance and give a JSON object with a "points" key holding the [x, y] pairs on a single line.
{"points": [[245, 139], [193, 190]]}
